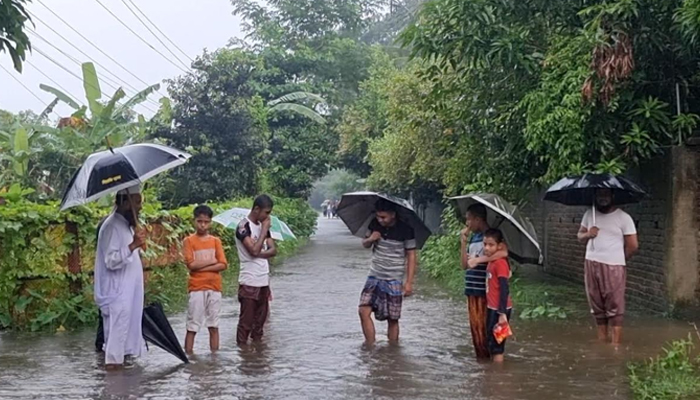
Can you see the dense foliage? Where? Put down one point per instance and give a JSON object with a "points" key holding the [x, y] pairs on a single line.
{"points": [[495, 85], [34, 281], [13, 39]]}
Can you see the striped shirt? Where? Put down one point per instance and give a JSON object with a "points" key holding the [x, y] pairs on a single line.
{"points": [[475, 278], [389, 253]]}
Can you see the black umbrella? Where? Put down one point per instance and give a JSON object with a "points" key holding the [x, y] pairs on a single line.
{"points": [[357, 210], [116, 169], [580, 190], [518, 231], [157, 330]]}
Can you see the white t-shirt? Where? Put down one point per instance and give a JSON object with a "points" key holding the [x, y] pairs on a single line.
{"points": [[609, 246], [254, 271]]}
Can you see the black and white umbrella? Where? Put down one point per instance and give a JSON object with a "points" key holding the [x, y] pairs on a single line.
{"points": [[580, 190], [112, 170], [357, 210], [518, 231]]}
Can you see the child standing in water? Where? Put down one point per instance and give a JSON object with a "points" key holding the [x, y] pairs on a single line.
{"points": [[498, 301], [475, 263]]}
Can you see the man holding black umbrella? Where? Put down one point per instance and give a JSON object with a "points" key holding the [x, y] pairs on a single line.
{"points": [[119, 280], [611, 239], [391, 273]]}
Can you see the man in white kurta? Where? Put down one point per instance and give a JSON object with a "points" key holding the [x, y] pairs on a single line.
{"points": [[119, 281]]}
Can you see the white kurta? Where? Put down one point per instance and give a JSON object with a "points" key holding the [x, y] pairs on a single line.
{"points": [[119, 290]]}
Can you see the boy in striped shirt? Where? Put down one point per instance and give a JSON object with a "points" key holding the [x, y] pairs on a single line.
{"points": [[474, 262], [393, 244]]}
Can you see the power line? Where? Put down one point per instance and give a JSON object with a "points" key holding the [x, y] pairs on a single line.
{"points": [[93, 44], [28, 90], [154, 35], [81, 52], [161, 32], [139, 36], [80, 64], [76, 76], [68, 56], [53, 81]]}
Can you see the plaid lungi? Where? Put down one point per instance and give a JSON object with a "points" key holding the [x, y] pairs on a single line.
{"points": [[384, 296]]}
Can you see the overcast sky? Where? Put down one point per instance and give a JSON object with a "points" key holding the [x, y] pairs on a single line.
{"points": [[192, 25]]}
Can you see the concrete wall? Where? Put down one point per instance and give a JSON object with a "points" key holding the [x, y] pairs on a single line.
{"points": [[664, 273]]}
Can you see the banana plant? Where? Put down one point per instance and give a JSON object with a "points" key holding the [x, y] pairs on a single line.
{"points": [[100, 120], [287, 103], [17, 146]]}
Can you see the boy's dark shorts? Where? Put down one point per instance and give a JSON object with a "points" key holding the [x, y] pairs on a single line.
{"points": [[491, 321]]}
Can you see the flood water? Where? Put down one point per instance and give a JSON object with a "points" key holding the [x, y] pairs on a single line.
{"points": [[313, 349]]}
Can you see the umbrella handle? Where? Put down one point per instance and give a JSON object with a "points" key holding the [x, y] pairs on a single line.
{"points": [[593, 239], [109, 144]]}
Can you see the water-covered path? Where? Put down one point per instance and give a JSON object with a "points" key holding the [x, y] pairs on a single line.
{"points": [[313, 349]]}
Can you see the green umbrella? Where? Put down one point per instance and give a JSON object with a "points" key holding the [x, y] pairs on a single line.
{"points": [[231, 218]]}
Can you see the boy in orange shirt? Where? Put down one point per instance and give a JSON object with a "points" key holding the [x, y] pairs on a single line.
{"points": [[498, 301], [205, 259]]}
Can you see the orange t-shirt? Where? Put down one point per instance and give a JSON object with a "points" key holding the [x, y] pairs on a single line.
{"points": [[208, 248]]}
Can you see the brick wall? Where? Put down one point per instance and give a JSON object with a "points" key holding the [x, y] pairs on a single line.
{"points": [[558, 225]]}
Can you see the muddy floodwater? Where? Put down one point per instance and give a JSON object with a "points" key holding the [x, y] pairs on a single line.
{"points": [[313, 349]]}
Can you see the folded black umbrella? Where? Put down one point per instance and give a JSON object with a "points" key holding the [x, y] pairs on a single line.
{"points": [[157, 330], [580, 190], [357, 210], [115, 169]]}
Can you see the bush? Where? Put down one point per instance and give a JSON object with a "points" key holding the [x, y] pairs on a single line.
{"points": [[34, 247], [674, 375]]}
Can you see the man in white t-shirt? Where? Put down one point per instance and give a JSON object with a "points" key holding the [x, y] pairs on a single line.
{"points": [[611, 239], [255, 247]]}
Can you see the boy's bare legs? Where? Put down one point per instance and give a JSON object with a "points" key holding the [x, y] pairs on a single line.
{"points": [[602, 325], [393, 331], [498, 358], [367, 324], [214, 339], [189, 342]]}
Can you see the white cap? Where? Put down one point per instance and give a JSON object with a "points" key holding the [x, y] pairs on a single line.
{"points": [[130, 190]]}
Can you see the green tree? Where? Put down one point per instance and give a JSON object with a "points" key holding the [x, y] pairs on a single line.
{"points": [[13, 39], [220, 119], [561, 87]]}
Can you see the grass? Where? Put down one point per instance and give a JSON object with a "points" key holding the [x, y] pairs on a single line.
{"points": [[537, 295], [673, 375]]}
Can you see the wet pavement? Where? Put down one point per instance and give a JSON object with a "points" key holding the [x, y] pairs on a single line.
{"points": [[313, 349]]}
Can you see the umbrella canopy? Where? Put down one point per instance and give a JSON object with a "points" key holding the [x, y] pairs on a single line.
{"points": [[580, 190], [357, 210], [519, 233], [231, 218], [112, 170], [157, 330]]}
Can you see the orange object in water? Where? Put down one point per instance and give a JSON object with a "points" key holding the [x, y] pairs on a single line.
{"points": [[502, 331]]}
